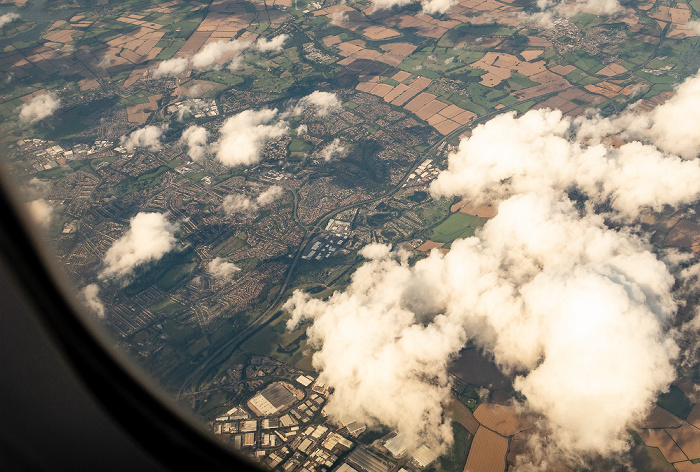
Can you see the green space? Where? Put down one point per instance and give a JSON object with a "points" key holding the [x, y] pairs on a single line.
{"points": [[196, 176], [456, 457], [457, 226], [224, 332], [96, 36], [139, 337], [228, 246], [676, 402], [469, 396], [198, 347], [482, 98], [586, 20], [525, 106], [276, 341], [183, 29], [519, 82], [649, 459], [223, 77], [656, 89], [150, 179], [299, 145], [248, 264], [94, 163], [325, 271], [576, 76], [634, 52], [508, 100], [264, 341], [178, 334], [583, 61], [53, 173], [165, 273], [433, 212], [174, 275], [457, 33], [472, 107], [389, 81], [657, 79], [166, 307], [436, 62], [170, 47], [217, 403]]}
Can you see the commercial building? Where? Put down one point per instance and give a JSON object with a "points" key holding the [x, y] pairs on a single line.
{"points": [[363, 460], [275, 398]]}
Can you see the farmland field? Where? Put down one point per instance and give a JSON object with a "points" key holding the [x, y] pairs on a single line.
{"points": [[458, 225]]}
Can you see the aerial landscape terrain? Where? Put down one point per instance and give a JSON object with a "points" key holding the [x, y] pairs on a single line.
{"points": [[380, 235]]}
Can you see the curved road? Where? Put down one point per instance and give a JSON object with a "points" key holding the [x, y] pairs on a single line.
{"points": [[269, 314]]}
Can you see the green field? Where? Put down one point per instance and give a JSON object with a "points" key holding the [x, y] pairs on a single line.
{"points": [[456, 226], [518, 82], [649, 459], [299, 145], [178, 334], [456, 458], [676, 402], [276, 341], [166, 307], [525, 106], [228, 246]]}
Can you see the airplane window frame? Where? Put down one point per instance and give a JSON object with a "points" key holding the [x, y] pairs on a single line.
{"points": [[165, 430]]}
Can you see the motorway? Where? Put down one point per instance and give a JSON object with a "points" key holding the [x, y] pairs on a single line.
{"points": [[212, 362]]}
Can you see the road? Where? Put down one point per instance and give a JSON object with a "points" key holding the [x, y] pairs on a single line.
{"points": [[197, 376]]}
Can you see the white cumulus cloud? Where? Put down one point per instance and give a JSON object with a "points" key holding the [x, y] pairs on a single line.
{"points": [[243, 136], [174, 66], [212, 52], [39, 107], [241, 204], [332, 149], [222, 269], [146, 137], [149, 237], [238, 204], [91, 297], [41, 212], [437, 6], [556, 288], [270, 195], [218, 53], [539, 153], [271, 45], [339, 17], [550, 10], [671, 126], [694, 25], [431, 7], [195, 137], [322, 103], [552, 306], [389, 4], [8, 18]]}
